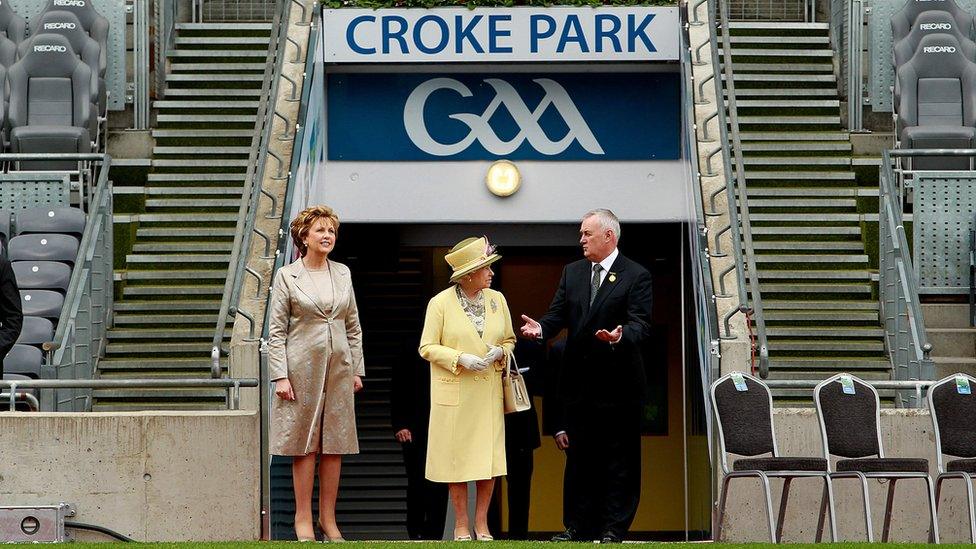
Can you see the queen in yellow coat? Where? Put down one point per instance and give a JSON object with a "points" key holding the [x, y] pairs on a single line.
{"points": [[467, 338]]}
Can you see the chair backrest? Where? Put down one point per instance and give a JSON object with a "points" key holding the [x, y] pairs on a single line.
{"points": [[42, 275], [931, 22], [94, 24], [12, 26], [50, 86], [937, 85], [67, 24], [43, 303], [952, 410], [43, 247], [850, 424], [46, 219], [745, 421], [902, 20], [36, 331], [24, 360]]}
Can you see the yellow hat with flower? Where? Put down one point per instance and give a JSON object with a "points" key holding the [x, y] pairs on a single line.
{"points": [[469, 255]]}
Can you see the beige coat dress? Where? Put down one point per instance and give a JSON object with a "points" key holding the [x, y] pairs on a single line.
{"points": [[466, 440], [318, 347]]}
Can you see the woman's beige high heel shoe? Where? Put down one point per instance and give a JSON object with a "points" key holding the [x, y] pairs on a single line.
{"points": [[328, 539], [461, 537]]}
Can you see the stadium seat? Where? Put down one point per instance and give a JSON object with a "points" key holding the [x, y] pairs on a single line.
{"points": [[85, 47], [5, 218], [902, 20], [848, 410], [36, 331], [743, 412], [46, 219], [928, 22], [43, 303], [25, 360], [51, 102], [937, 106], [94, 24], [42, 275], [952, 410], [12, 26], [43, 247]]}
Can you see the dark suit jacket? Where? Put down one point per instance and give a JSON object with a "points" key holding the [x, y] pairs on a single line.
{"points": [[410, 398], [11, 314], [595, 373]]}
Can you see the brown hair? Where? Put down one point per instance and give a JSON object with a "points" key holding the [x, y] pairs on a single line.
{"points": [[303, 223]]}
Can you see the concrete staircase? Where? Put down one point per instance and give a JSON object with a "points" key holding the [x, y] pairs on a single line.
{"points": [[173, 280], [953, 339], [820, 306]]}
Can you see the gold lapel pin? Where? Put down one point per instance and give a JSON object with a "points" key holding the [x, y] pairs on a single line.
{"points": [[612, 277]]}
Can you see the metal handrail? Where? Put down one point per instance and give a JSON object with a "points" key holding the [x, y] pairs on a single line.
{"points": [[232, 385], [252, 184], [901, 385], [735, 184], [167, 15]]}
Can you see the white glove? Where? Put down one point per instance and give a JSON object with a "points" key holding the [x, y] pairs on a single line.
{"points": [[495, 353], [471, 362]]}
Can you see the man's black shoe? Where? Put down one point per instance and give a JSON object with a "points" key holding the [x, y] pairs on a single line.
{"points": [[569, 535], [609, 537]]}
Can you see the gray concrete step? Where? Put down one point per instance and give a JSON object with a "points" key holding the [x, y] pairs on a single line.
{"points": [[183, 66], [176, 259], [794, 78], [805, 136], [946, 366], [188, 217], [952, 342], [196, 177], [741, 92], [202, 133], [188, 233], [781, 315], [222, 40], [826, 288], [841, 364], [796, 146], [125, 320], [823, 203], [780, 68], [201, 150], [824, 305], [780, 40], [787, 52], [173, 290], [207, 246], [823, 332], [258, 53], [184, 191], [946, 315], [798, 161], [200, 118], [797, 175], [825, 274], [826, 345], [232, 28], [812, 258], [193, 203], [794, 192], [805, 217], [182, 349], [806, 231], [825, 120], [160, 334], [228, 103], [744, 26], [808, 245], [192, 275], [165, 307]]}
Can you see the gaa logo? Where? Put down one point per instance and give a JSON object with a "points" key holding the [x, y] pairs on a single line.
{"points": [[59, 26], [480, 126], [45, 48], [939, 49]]}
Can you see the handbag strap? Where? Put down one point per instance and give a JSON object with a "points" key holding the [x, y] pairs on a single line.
{"points": [[512, 364]]}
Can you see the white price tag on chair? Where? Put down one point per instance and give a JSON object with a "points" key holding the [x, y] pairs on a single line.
{"points": [[962, 386], [847, 385], [739, 381]]}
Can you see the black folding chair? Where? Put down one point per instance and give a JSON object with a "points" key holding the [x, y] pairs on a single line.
{"points": [[850, 424], [744, 415], [953, 409]]}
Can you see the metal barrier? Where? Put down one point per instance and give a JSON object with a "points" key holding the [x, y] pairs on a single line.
{"points": [[847, 40], [905, 339], [167, 15], [915, 387], [735, 189], [233, 10], [773, 10], [243, 235], [233, 386], [140, 64]]}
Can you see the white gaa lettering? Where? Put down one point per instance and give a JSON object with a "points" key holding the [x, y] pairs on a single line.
{"points": [[505, 94]]}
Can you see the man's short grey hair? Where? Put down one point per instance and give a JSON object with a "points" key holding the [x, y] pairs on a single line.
{"points": [[608, 220]]}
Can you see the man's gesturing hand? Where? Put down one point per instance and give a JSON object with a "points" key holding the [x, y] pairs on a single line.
{"points": [[531, 329], [610, 337]]}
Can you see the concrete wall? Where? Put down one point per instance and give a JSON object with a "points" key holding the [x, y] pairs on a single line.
{"points": [[153, 476], [907, 433]]}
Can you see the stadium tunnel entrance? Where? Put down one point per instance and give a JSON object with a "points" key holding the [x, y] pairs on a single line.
{"points": [[402, 148]]}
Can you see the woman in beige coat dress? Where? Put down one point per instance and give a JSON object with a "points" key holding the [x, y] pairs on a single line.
{"points": [[467, 338], [316, 362]]}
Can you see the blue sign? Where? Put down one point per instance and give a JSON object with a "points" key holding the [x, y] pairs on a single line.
{"points": [[558, 116]]}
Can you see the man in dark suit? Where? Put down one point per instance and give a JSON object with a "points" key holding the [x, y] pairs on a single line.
{"points": [[604, 301], [410, 411], [11, 314]]}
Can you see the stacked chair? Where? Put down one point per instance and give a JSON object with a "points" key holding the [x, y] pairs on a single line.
{"points": [[42, 249], [934, 95]]}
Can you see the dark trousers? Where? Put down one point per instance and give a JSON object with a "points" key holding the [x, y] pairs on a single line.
{"points": [[426, 500], [601, 487], [519, 484]]}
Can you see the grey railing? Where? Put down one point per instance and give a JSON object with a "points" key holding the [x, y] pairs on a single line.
{"points": [[773, 10], [913, 387], [905, 338], [233, 386], [140, 64], [740, 227], [167, 15], [253, 190], [847, 40]]}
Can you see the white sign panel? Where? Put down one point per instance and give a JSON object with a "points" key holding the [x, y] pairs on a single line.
{"points": [[634, 33]]}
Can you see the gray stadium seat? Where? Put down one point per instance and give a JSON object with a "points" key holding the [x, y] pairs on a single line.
{"points": [[928, 22], [94, 24], [42, 303], [12, 26], [43, 247], [25, 360], [47, 219], [5, 236], [85, 47], [42, 275], [902, 20], [8, 51], [938, 101], [51, 102], [36, 331]]}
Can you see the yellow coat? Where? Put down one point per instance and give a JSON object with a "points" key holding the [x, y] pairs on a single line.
{"points": [[466, 440]]}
